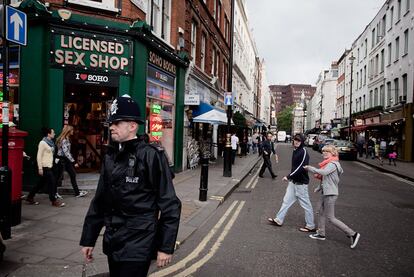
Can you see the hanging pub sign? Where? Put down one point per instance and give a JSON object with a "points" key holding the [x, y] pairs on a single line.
{"points": [[90, 51], [88, 78]]}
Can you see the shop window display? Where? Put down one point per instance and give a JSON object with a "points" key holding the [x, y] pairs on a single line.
{"points": [[160, 109]]}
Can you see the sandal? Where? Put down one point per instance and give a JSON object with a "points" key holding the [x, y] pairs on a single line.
{"points": [[274, 222], [307, 230]]}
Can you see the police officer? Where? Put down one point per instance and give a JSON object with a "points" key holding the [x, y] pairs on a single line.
{"points": [[135, 199], [267, 149]]}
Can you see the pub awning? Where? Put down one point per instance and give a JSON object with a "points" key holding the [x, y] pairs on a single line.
{"points": [[206, 113]]}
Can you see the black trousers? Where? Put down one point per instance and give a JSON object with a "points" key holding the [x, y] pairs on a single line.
{"points": [[65, 164], [233, 156], [48, 178], [128, 269], [266, 164]]}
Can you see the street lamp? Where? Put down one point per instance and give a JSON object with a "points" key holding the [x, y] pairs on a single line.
{"points": [[227, 148], [351, 59]]}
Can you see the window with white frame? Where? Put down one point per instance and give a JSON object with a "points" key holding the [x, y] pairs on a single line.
{"points": [[407, 6], [218, 18], [216, 70], [397, 48], [373, 38], [108, 5], [214, 8], [391, 17], [375, 97], [382, 96], [389, 53], [396, 88], [382, 60], [405, 85], [366, 48], [193, 40], [370, 99], [365, 75], [389, 96], [406, 42], [213, 61], [399, 10], [159, 18], [203, 51]]}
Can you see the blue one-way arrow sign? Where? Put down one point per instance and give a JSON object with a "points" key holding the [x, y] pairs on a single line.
{"points": [[16, 26]]}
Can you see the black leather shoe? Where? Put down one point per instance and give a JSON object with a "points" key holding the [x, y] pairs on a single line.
{"points": [[274, 176], [261, 176]]}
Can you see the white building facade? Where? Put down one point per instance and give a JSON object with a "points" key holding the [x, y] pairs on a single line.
{"points": [[244, 61]]}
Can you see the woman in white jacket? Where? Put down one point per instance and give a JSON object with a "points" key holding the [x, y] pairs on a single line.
{"points": [[329, 174]]}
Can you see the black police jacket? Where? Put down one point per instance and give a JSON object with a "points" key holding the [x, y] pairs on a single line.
{"points": [[136, 202]]}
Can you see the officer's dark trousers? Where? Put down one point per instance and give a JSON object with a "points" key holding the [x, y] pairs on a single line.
{"points": [[267, 164], [128, 269]]}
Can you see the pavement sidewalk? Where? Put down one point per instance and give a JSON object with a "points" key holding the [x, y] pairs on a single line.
{"points": [[46, 243], [402, 169]]}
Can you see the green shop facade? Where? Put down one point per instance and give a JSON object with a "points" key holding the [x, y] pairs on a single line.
{"points": [[72, 69]]}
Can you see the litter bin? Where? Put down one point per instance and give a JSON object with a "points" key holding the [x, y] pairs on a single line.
{"points": [[16, 146]]}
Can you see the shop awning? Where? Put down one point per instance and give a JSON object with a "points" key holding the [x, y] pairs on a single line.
{"points": [[206, 113]]}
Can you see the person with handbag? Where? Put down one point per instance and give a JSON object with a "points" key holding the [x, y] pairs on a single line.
{"points": [[135, 199], [66, 161], [329, 172]]}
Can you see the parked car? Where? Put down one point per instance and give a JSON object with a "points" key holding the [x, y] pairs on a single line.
{"points": [[310, 139], [346, 149]]}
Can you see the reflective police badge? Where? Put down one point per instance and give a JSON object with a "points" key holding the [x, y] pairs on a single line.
{"points": [[114, 107]]}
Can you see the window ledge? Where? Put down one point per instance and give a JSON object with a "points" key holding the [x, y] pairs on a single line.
{"points": [[398, 21], [94, 5], [406, 54], [407, 12], [396, 60]]}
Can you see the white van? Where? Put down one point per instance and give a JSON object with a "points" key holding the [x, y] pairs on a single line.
{"points": [[281, 136]]}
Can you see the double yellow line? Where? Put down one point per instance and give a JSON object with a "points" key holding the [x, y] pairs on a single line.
{"points": [[190, 268]]}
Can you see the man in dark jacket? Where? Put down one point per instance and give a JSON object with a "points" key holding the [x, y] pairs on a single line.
{"points": [[298, 187], [267, 149], [135, 200]]}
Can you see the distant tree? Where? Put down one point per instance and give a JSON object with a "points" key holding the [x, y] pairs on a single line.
{"points": [[284, 119]]}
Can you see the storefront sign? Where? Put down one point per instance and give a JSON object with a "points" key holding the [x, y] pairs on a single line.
{"points": [[192, 100], [85, 78], [91, 51], [13, 77], [162, 63], [156, 127], [159, 77]]}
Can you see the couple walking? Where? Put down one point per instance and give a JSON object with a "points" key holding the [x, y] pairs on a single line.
{"points": [[45, 162], [297, 190]]}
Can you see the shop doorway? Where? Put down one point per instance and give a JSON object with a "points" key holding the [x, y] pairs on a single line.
{"points": [[86, 108]]}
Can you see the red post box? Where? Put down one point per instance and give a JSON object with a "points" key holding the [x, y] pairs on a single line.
{"points": [[16, 146]]}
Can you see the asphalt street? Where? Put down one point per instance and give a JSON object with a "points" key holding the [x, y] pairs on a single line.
{"points": [[238, 241]]}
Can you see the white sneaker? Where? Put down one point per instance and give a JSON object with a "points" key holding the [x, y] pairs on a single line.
{"points": [[82, 193], [355, 240], [58, 196]]}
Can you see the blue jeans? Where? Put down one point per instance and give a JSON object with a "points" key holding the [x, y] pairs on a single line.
{"points": [[297, 192]]}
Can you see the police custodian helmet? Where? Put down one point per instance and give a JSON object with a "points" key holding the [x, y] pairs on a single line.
{"points": [[124, 108]]}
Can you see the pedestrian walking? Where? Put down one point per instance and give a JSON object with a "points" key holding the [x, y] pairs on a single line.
{"points": [[135, 199], [66, 161], [392, 157], [382, 150], [255, 142], [297, 189], [249, 144], [370, 149], [360, 144], [234, 146], [45, 154], [329, 172], [268, 149]]}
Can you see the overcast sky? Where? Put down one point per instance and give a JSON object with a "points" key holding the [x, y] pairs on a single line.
{"points": [[299, 38]]}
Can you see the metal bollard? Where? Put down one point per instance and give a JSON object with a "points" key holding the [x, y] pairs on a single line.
{"points": [[5, 202], [204, 178]]}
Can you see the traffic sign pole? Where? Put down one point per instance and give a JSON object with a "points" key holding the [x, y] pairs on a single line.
{"points": [[5, 173]]}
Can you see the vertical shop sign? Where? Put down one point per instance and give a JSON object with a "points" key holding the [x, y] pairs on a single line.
{"points": [[156, 123]]}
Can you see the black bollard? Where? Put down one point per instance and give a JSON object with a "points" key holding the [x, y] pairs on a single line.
{"points": [[204, 178]]}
